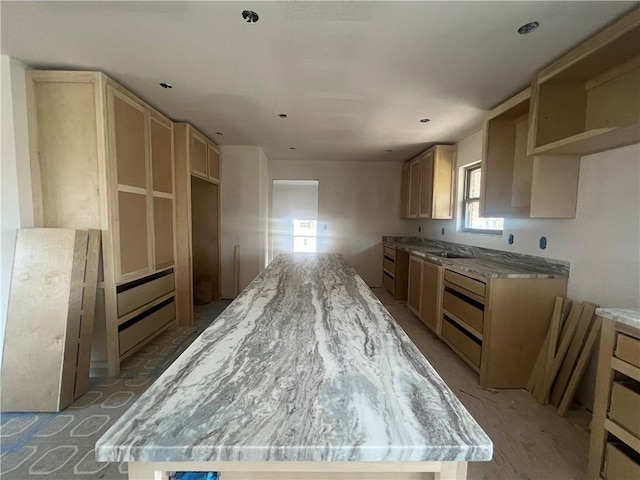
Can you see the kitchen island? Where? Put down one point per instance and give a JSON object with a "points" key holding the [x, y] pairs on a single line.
{"points": [[304, 375]]}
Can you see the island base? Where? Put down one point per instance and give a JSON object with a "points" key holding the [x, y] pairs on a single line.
{"points": [[305, 470]]}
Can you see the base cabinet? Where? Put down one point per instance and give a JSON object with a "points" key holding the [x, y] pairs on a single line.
{"points": [[497, 325], [395, 269], [614, 452], [425, 291]]}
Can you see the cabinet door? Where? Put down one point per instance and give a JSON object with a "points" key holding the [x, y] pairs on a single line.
{"points": [[128, 133], [198, 149], [161, 156], [404, 191], [426, 185], [414, 188], [133, 241], [163, 232], [213, 159], [443, 179], [430, 296], [415, 284]]}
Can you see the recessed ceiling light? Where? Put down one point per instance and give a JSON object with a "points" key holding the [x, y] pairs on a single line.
{"points": [[528, 28], [389, 150], [425, 120], [250, 16], [166, 85], [292, 148], [283, 115], [218, 133]]}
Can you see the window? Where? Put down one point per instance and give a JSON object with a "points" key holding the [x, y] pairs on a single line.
{"points": [[473, 222], [304, 236]]}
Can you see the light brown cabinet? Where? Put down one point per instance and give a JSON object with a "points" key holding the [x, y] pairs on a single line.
{"points": [[588, 100], [614, 452], [198, 273], [428, 184], [425, 291], [497, 325], [515, 184], [395, 270], [103, 159]]}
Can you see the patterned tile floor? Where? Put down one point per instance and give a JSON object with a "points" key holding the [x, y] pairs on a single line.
{"points": [[60, 446]]}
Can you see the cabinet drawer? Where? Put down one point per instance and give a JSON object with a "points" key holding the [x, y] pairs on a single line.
{"points": [[138, 329], [625, 405], [136, 294], [463, 310], [628, 349], [471, 284], [389, 265], [619, 466], [390, 252], [461, 340], [388, 282]]}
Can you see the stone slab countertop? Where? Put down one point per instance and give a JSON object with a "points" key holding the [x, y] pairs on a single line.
{"points": [[627, 316], [497, 267], [305, 365]]}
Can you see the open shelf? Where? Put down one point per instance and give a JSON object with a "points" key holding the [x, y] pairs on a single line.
{"points": [[589, 101]]}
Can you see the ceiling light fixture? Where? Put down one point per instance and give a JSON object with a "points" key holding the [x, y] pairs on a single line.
{"points": [[283, 115], [425, 120], [166, 85], [292, 148], [528, 28], [250, 16], [218, 133], [389, 150]]}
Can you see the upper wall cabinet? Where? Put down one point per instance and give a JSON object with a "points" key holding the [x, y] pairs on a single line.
{"points": [[428, 184], [588, 100], [204, 156], [515, 184]]}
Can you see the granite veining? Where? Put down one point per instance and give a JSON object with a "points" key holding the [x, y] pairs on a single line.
{"points": [[488, 262], [305, 365], [627, 316]]}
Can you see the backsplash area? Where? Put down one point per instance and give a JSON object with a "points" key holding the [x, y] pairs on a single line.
{"points": [[542, 264]]}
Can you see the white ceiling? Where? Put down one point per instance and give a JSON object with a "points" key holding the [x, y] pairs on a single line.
{"points": [[354, 78]]}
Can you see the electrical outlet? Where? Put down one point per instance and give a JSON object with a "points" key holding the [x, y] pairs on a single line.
{"points": [[419, 229], [543, 243], [511, 239], [442, 231]]}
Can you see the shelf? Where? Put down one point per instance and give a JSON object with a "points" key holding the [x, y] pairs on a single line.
{"points": [[588, 101]]}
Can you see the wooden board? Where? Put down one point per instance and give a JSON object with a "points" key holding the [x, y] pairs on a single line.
{"points": [[581, 365], [549, 353], [562, 379], [43, 320]]}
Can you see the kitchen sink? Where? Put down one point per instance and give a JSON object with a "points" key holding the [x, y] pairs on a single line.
{"points": [[445, 254]]}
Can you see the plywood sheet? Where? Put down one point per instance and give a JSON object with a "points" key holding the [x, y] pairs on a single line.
{"points": [[130, 143], [43, 320]]}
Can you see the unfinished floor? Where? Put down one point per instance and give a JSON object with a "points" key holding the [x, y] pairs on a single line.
{"points": [[530, 441]]}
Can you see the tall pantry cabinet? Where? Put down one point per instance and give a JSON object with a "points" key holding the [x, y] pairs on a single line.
{"points": [[102, 159]]}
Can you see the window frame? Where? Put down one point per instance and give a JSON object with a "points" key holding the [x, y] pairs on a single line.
{"points": [[466, 200]]}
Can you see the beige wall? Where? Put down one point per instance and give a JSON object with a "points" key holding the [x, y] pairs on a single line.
{"points": [[358, 203], [602, 242], [16, 202], [243, 193]]}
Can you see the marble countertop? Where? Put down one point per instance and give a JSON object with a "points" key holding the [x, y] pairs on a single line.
{"points": [[305, 365], [485, 267], [627, 316]]}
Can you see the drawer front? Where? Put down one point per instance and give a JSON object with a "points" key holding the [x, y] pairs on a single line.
{"points": [[461, 341], [389, 265], [471, 284], [618, 466], [391, 252], [147, 325], [464, 310], [388, 282], [136, 297], [628, 349], [625, 405]]}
